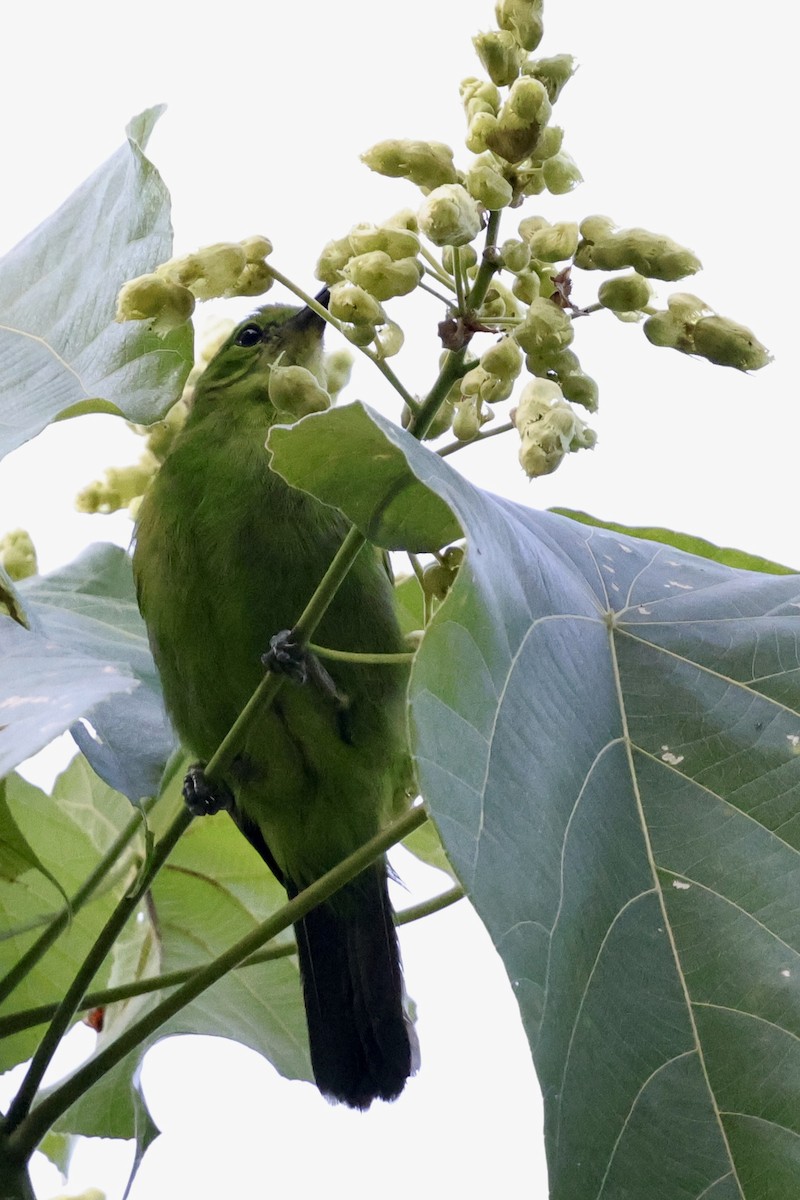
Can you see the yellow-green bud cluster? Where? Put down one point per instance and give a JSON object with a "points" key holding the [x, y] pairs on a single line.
{"points": [[18, 554], [439, 577], [515, 132], [548, 427], [119, 487], [380, 260], [167, 296], [604, 247], [490, 381], [427, 164], [501, 55], [296, 391], [690, 326]]}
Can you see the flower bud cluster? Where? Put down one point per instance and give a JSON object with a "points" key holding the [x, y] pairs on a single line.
{"points": [[549, 428], [371, 264], [489, 382], [18, 554], [295, 390], [690, 326], [167, 296], [606, 248]]}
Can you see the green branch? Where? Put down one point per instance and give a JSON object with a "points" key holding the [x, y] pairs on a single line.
{"points": [[353, 657], [29, 1018], [29, 1132]]}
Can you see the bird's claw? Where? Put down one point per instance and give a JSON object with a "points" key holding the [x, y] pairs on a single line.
{"points": [[201, 797], [288, 656]]}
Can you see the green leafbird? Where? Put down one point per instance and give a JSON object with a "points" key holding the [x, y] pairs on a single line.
{"points": [[227, 554]]}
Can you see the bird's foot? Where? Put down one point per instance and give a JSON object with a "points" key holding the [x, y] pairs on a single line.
{"points": [[202, 798], [287, 656]]}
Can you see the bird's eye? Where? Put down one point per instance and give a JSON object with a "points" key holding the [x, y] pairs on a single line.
{"points": [[250, 335]]}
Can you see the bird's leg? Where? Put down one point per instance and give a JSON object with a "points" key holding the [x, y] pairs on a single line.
{"points": [[202, 798]]}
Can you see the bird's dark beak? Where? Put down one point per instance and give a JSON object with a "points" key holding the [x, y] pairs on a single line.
{"points": [[307, 318]]}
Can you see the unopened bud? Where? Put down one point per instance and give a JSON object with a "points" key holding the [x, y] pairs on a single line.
{"points": [[580, 389], [503, 359], [561, 174], [500, 54], [397, 243], [626, 293], [18, 554], [353, 304], [545, 329], [154, 298], [295, 391], [467, 419], [479, 95], [488, 187], [333, 259], [552, 72], [450, 216], [383, 277], [337, 367], [555, 242], [549, 143], [522, 18], [651, 254], [389, 340], [427, 164], [527, 287], [729, 344]]}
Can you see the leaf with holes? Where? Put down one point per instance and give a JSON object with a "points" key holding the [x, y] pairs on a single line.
{"points": [[607, 735]]}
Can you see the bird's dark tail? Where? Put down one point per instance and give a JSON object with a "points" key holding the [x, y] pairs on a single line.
{"points": [[363, 1046]]}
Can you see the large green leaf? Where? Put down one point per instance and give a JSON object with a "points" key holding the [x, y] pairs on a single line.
{"points": [[61, 351], [67, 833], [44, 687], [90, 606], [607, 735], [213, 890], [684, 541]]}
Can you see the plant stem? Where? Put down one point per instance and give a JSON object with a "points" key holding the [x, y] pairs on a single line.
{"points": [[28, 1018], [31, 1130], [451, 447], [66, 1010], [488, 268], [354, 657], [45, 940]]}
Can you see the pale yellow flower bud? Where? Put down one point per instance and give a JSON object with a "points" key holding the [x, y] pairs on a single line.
{"points": [[729, 344], [488, 187], [354, 305], [427, 164], [555, 242], [561, 174], [154, 298], [500, 54], [503, 359], [545, 329], [553, 72], [295, 391], [389, 340], [383, 277], [626, 293], [337, 367], [522, 18], [18, 554], [450, 216]]}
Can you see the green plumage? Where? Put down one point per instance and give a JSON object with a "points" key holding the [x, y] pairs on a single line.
{"points": [[227, 554]]}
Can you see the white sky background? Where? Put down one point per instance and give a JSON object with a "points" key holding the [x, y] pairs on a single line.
{"points": [[679, 120]]}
